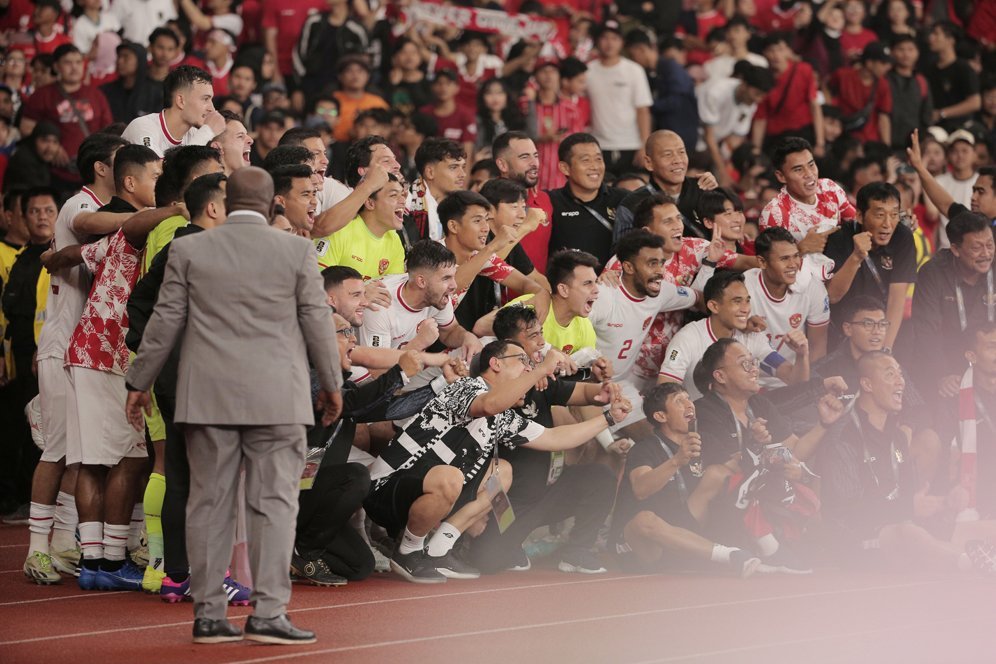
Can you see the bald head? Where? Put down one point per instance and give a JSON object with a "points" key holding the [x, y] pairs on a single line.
{"points": [[874, 362], [663, 137], [666, 158], [250, 189]]}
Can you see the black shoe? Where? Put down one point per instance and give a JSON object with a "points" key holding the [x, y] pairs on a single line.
{"points": [[315, 571], [580, 561], [784, 561], [416, 567], [215, 631], [744, 563], [450, 566], [278, 631], [518, 562]]}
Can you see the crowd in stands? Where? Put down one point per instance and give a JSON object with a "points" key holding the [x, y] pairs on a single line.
{"points": [[663, 285]]}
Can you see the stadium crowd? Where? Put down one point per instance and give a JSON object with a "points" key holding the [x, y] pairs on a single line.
{"points": [[701, 285]]}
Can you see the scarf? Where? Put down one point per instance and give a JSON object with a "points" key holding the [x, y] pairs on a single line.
{"points": [[417, 208], [968, 433]]}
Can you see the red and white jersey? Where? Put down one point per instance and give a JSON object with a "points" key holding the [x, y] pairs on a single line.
{"points": [[680, 269], [622, 321], [495, 269], [396, 325], [151, 131], [831, 208], [688, 346], [70, 286], [98, 342], [805, 303]]}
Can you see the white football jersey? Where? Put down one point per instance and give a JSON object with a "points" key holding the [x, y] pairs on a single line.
{"points": [[151, 131], [688, 346], [805, 303], [332, 193], [396, 325], [622, 321]]}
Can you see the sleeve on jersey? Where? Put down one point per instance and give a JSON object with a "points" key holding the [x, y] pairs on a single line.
{"points": [[496, 269], [676, 361], [445, 317], [728, 259], [329, 250], [819, 304], [95, 253], [519, 431], [681, 297], [770, 215], [847, 211], [376, 329]]}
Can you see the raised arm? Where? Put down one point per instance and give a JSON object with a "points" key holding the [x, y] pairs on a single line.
{"points": [[343, 212], [937, 194]]}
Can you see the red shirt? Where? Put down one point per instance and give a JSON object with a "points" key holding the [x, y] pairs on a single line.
{"points": [[568, 116], [787, 106], [47, 104], [460, 125], [770, 18], [537, 244], [288, 17], [851, 45], [704, 24], [851, 95], [18, 16]]}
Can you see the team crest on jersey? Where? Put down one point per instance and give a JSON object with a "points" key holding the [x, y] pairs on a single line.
{"points": [[569, 348], [886, 262], [612, 213], [147, 141], [795, 320], [646, 323], [383, 265], [321, 246], [682, 291]]}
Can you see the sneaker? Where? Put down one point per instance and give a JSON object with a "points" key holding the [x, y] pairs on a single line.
{"points": [[416, 567], [152, 580], [172, 592], [38, 568], [67, 562], [744, 563], [19, 517], [87, 579], [784, 561], [983, 556], [315, 571], [238, 594], [450, 566], [128, 577], [580, 561], [521, 564]]}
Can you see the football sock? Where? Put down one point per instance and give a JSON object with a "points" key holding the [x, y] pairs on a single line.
{"points": [[155, 491], [92, 543], [767, 545], [443, 539], [115, 541], [410, 543], [40, 519], [721, 554], [134, 532], [66, 520]]}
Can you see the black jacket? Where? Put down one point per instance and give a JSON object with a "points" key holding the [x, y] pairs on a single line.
{"points": [[144, 98], [20, 300]]}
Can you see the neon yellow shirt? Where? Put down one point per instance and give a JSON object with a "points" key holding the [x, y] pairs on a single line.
{"points": [[356, 247], [578, 334], [159, 237]]}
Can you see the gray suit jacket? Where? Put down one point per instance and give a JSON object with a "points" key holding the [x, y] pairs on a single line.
{"points": [[248, 304]]}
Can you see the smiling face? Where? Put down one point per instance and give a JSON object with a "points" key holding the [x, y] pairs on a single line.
{"points": [[647, 271], [866, 330], [782, 264], [471, 231], [667, 224], [733, 308], [236, 144], [530, 338], [800, 176], [383, 155], [975, 251], [678, 413], [195, 102], [729, 223], [520, 162], [885, 384], [349, 300], [668, 159], [386, 209], [510, 214], [586, 168], [448, 175], [42, 212], [738, 373]]}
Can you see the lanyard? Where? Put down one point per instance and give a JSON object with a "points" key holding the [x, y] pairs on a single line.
{"points": [[870, 264], [984, 412], [682, 487], [736, 421], [598, 217], [990, 303], [895, 458]]}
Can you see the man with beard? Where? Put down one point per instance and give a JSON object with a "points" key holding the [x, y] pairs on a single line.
{"points": [[517, 159]]}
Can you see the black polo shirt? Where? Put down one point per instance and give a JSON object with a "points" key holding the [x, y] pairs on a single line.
{"points": [[688, 206], [576, 225], [895, 263], [718, 427]]}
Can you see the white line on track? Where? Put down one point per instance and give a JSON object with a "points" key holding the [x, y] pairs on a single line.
{"points": [[62, 597]]}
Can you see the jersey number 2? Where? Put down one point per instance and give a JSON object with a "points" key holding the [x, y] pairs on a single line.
{"points": [[625, 349]]}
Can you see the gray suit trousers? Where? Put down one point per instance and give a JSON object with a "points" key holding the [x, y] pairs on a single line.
{"points": [[274, 460]]}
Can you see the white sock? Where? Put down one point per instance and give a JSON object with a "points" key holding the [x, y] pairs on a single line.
{"points": [[66, 520], [410, 543], [964, 563], [768, 545], [92, 539], [134, 540], [721, 554], [115, 540], [40, 525], [443, 539]]}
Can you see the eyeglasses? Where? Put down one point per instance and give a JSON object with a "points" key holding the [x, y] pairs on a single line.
{"points": [[521, 357], [869, 324], [347, 332], [331, 112], [749, 365]]}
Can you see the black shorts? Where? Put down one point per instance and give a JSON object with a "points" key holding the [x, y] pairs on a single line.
{"points": [[390, 499]]}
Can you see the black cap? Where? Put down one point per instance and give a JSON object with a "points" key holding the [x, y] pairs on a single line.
{"points": [[876, 51]]}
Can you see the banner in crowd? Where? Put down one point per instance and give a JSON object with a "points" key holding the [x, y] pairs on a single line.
{"points": [[515, 26]]}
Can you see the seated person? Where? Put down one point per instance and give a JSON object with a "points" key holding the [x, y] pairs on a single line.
{"points": [[663, 504], [442, 465]]}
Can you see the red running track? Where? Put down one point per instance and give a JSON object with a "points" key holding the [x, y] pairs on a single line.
{"points": [[540, 616]]}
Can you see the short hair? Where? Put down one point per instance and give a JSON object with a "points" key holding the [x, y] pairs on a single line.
{"points": [[96, 147], [335, 275], [633, 242], [876, 191], [949, 28], [129, 160], [852, 305], [718, 283], [965, 223], [456, 204], [571, 67], [163, 32], [561, 265], [358, 156], [286, 155], [493, 350], [655, 400], [429, 254], [512, 318], [12, 199], [785, 147], [298, 135], [180, 78], [284, 176], [63, 50], [868, 360], [988, 172], [567, 145], [37, 192], [644, 212], [711, 359], [712, 203], [379, 115], [230, 116], [178, 164], [434, 150], [502, 141], [902, 38], [767, 238], [502, 190], [203, 190], [424, 124]]}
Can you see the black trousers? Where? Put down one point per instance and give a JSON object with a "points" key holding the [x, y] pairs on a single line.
{"points": [[323, 528], [174, 514], [585, 492], [18, 453]]}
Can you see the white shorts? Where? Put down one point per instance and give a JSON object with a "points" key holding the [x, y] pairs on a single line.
{"points": [[631, 392], [53, 388], [98, 432]]}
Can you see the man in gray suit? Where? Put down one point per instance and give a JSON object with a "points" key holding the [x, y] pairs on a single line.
{"points": [[248, 305]]}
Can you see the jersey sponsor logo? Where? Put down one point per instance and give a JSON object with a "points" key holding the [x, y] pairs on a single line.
{"points": [[358, 259], [573, 213], [615, 324], [886, 262], [795, 320], [321, 246], [383, 265], [682, 291], [646, 323]]}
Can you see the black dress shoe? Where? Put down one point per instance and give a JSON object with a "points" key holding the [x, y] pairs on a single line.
{"points": [[277, 630], [215, 631]]}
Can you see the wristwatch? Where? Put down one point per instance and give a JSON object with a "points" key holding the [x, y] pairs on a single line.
{"points": [[608, 418], [706, 261]]}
